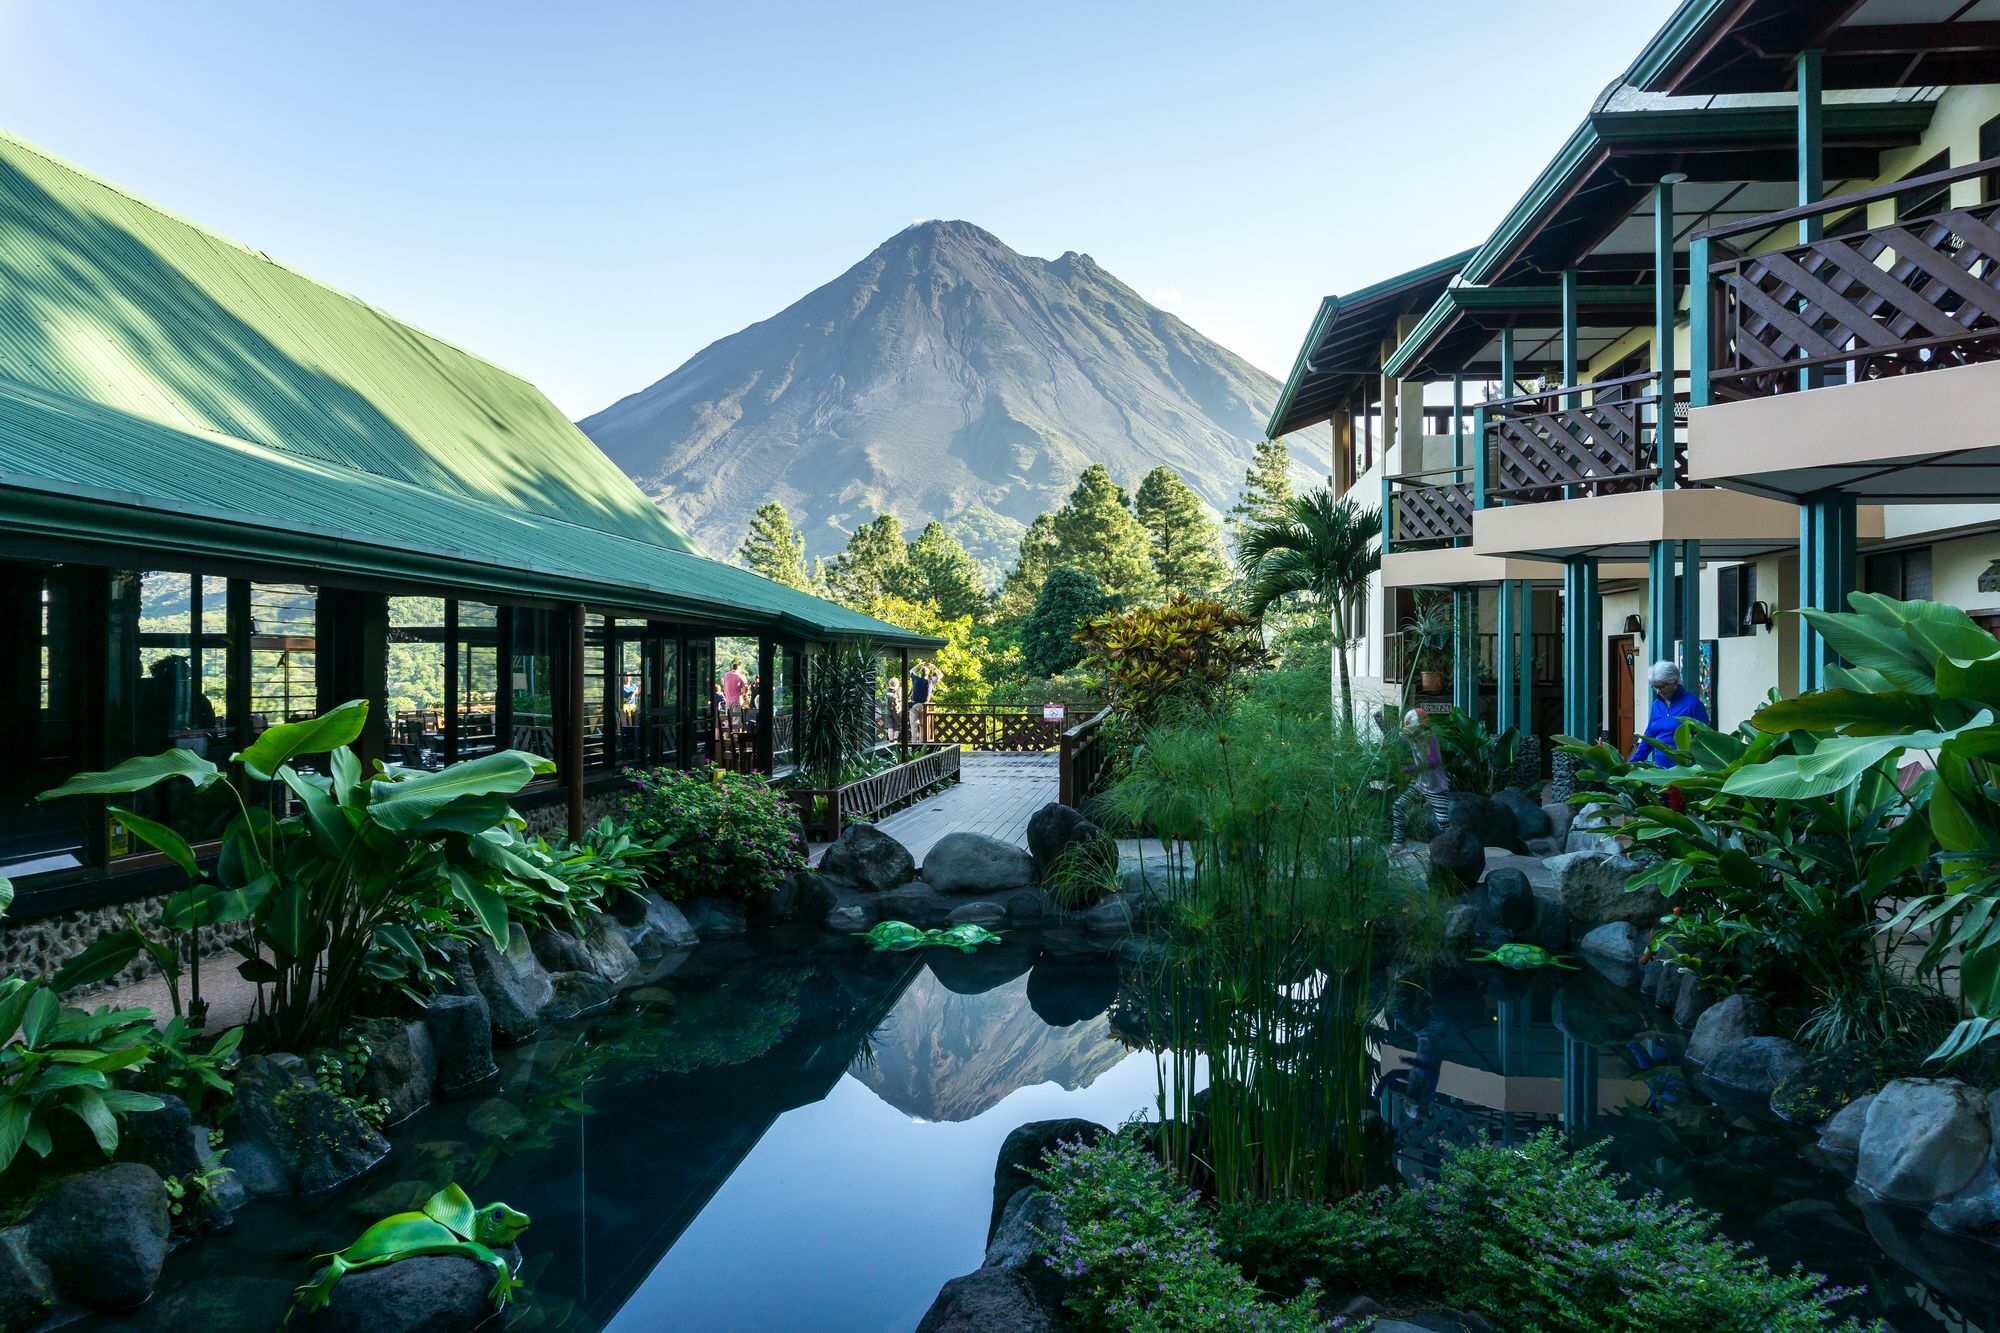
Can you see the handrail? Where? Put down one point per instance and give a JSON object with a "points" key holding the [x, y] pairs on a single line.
{"points": [[1455, 470], [1080, 764], [1841, 203], [1643, 377]]}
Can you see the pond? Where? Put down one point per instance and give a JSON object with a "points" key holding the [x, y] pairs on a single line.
{"points": [[784, 1134]]}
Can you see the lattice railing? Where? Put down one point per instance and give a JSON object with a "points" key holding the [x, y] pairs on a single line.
{"points": [[991, 727], [1580, 440], [1429, 509], [1917, 294]]}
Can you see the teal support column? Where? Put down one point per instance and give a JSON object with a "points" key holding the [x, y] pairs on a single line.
{"points": [[1508, 385], [1811, 164], [1479, 478], [1662, 624], [1826, 575], [1465, 651], [1524, 657], [1701, 323], [1388, 515], [1458, 420], [1689, 612], [1583, 648], [1666, 310], [1506, 654], [1569, 321]]}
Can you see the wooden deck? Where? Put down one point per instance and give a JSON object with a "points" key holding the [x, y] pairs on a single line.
{"points": [[995, 795]]}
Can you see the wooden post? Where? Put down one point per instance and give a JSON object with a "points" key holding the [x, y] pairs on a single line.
{"points": [[1666, 307], [452, 691], [903, 693], [766, 712], [572, 740]]}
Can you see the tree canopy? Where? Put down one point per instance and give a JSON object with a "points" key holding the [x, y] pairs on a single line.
{"points": [[1096, 531], [1267, 489], [1048, 636], [942, 571], [774, 548], [1186, 548]]}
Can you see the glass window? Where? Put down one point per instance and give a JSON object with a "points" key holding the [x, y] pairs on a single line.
{"points": [[477, 694], [284, 654], [533, 688], [784, 711], [627, 683], [414, 719], [662, 689], [703, 697], [596, 710], [43, 645]]}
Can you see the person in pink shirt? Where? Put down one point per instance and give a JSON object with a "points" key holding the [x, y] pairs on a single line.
{"points": [[733, 685]]}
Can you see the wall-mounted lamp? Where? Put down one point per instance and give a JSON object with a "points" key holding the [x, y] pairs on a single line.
{"points": [[1633, 627], [1760, 616]]}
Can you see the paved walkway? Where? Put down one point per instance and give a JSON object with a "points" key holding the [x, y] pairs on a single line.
{"points": [[995, 795]]}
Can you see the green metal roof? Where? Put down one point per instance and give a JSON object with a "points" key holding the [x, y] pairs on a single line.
{"points": [[1461, 300], [1733, 46], [164, 387], [1343, 338]]}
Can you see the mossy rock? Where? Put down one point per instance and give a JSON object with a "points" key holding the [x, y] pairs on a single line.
{"points": [[1827, 1081]]}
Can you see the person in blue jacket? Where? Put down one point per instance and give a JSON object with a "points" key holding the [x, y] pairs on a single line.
{"points": [[1671, 706]]}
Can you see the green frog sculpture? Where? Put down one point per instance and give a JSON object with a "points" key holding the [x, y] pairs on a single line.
{"points": [[898, 936], [1521, 957], [448, 1225]]}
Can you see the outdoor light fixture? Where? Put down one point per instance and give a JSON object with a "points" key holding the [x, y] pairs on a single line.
{"points": [[1674, 178], [1632, 626], [1760, 616]]}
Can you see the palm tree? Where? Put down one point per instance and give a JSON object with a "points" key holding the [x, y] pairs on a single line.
{"points": [[1320, 548]]}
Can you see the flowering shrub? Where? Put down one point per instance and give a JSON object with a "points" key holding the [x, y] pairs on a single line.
{"points": [[1136, 1252], [729, 835], [1538, 1237]]}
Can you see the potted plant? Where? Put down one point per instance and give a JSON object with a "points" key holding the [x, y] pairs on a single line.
{"points": [[1428, 632]]}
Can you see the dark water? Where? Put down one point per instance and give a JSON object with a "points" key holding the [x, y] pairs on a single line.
{"points": [[786, 1135]]}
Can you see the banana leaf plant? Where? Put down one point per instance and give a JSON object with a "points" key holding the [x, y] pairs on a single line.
{"points": [[1920, 677], [339, 893], [56, 1060]]}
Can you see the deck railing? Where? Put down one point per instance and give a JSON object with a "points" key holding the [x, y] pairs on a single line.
{"points": [[1429, 509], [1084, 761], [1916, 294], [825, 811], [993, 726], [1601, 438]]}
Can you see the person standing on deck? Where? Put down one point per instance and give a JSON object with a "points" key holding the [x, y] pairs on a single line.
{"points": [[922, 682], [733, 685], [1672, 705]]}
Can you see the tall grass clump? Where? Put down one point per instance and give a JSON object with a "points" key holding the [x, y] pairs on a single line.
{"points": [[1284, 906], [838, 697]]}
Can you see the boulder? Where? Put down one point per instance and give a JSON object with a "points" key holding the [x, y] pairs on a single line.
{"points": [[981, 913], [1026, 907], [1051, 829], [1974, 1210], [168, 1141], [1925, 1139], [1017, 1236], [917, 903], [1752, 1067], [558, 950], [975, 863], [402, 1065], [1560, 818], [1461, 923], [1109, 920], [1152, 871], [289, 1135], [1814, 1227], [1550, 928], [864, 857], [716, 918], [1510, 901], [575, 995], [606, 951], [1460, 854], [990, 1300], [1593, 890], [514, 983], [1023, 1148], [462, 1037], [426, 1294], [103, 1235], [1729, 1020], [206, 1304], [1487, 820], [1063, 994], [497, 1118], [1530, 821], [1614, 941], [1691, 1000], [1840, 1137], [656, 928], [1826, 1082], [850, 919], [27, 1291], [986, 968], [225, 1190]]}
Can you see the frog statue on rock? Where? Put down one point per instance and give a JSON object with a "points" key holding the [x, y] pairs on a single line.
{"points": [[448, 1225], [897, 936], [1520, 957]]}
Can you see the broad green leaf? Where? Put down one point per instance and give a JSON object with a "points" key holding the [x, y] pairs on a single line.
{"points": [[470, 815], [1974, 680], [1908, 844], [13, 1004], [137, 774], [323, 815], [1858, 713], [289, 927], [14, 1116], [288, 740], [1739, 869], [403, 803], [91, 1110], [258, 971], [124, 1100], [6, 894], [399, 938], [159, 837], [1838, 762], [346, 771], [41, 1012], [487, 905], [106, 957], [1664, 876]]}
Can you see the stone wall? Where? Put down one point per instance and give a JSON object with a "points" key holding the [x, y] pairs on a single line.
{"points": [[37, 949], [552, 820]]}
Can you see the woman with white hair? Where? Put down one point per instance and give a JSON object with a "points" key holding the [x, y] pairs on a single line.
{"points": [[1672, 705], [1428, 783]]}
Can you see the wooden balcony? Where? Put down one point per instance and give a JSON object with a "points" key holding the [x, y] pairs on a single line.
{"points": [[1578, 441], [1917, 294], [1429, 509]]}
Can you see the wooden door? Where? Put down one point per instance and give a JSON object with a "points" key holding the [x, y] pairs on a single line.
{"points": [[1621, 682]]}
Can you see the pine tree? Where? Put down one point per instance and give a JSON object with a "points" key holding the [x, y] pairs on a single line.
{"points": [[1048, 635], [943, 572], [1267, 490], [1186, 549], [1096, 532], [874, 564], [1024, 581], [774, 547]]}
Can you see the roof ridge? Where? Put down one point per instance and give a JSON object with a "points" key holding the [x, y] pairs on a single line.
{"points": [[84, 173]]}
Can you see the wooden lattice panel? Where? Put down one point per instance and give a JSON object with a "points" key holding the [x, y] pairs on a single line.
{"points": [[1432, 515], [1591, 450]]}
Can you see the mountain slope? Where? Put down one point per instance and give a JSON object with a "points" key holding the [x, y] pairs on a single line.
{"points": [[944, 376]]}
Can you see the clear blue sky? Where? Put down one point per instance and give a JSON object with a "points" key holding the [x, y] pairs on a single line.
{"points": [[589, 192]]}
